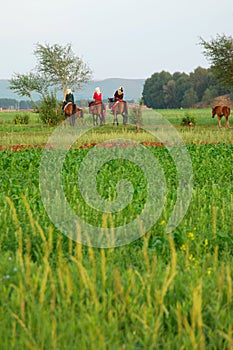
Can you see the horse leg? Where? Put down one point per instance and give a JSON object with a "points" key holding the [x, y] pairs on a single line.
{"points": [[227, 122], [101, 122], [114, 118], [219, 122], [73, 118]]}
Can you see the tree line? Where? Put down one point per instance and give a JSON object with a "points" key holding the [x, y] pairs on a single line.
{"points": [[58, 67], [11, 103], [166, 90]]}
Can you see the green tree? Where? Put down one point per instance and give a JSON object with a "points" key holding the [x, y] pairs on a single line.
{"points": [[190, 98], [27, 84], [219, 52], [200, 80], [152, 94], [169, 92], [209, 94], [182, 85], [57, 67], [61, 67]]}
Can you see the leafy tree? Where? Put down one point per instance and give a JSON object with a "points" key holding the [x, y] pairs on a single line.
{"points": [[182, 85], [61, 67], [200, 80], [219, 52], [190, 98], [153, 90], [169, 91], [209, 94], [57, 67], [27, 84]]}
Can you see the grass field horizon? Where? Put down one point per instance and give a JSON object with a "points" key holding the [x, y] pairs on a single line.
{"points": [[164, 290]]}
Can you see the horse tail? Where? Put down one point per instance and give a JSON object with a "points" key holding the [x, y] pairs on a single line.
{"points": [[81, 113]]}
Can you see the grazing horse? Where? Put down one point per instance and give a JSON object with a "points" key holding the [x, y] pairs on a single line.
{"points": [[98, 110], [78, 114], [120, 107], [221, 111]]}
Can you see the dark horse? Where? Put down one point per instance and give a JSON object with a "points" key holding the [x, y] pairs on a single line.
{"points": [[78, 113], [119, 107], [97, 109], [221, 111]]}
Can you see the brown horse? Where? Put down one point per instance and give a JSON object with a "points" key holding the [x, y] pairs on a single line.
{"points": [[78, 113], [221, 111], [119, 107], [98, 111]]}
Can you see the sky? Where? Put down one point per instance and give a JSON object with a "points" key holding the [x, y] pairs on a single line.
{"points": [[116, 39]]}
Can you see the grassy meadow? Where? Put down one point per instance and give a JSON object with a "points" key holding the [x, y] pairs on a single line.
{"points": [[162, 291]]}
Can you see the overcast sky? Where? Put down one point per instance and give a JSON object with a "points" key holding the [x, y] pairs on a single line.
{"points": [[117, 39]]}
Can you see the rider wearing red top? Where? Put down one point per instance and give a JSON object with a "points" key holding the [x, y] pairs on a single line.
{"points": [[97, 95]]}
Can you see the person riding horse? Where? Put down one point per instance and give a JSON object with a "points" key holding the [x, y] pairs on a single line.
{"points": [[119, 94], [97, 97], [118, 97], [69, 99]]}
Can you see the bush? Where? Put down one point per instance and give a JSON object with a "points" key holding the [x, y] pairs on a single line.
{"points": [[188, 120], [135, 115], [21, 118], [50, 110]]}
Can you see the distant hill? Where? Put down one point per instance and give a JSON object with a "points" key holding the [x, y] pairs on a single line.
{"points": [[132, 87]]}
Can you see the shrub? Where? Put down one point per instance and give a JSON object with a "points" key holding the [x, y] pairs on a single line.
{"points": [[50, 110], [135, 115], [188, 120], [21, 118]]}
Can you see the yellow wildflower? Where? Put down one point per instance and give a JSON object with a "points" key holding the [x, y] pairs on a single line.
{"points": [[183, 247], [191, 257], [163, 222], [191, 236]]}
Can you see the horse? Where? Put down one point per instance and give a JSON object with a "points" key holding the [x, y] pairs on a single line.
{"points": [[78, 113], [120, 107], [97, 110], [221, 111]]}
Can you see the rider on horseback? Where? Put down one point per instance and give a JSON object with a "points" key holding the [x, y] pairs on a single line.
{"points": [[118, 97], [97, 95], [69, 99]]}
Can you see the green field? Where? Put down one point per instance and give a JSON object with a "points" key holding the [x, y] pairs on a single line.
{"points": [[165, 290]]}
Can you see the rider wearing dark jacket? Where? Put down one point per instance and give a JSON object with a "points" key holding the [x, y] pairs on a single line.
{"points": [[69, 98], [118, 95]]}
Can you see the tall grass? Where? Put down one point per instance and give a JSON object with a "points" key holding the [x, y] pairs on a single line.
{"points": [[72, 296], [162, 291]]}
